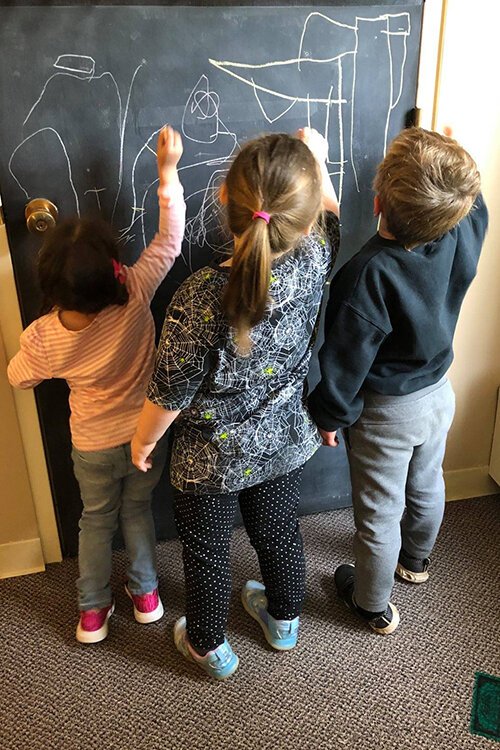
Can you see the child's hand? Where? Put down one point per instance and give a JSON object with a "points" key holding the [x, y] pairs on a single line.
{"points": [[319, 149], [141, 453], [329, 438], [317, 144], [169, 151]]}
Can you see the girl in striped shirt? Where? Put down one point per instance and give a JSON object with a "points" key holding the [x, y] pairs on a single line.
{"points": [[98, 335]]}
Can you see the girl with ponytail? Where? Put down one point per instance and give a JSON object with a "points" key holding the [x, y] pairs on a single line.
{"points": [[230, 370]]}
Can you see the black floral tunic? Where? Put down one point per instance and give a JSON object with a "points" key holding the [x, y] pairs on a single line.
{"points": [[243, 418]]}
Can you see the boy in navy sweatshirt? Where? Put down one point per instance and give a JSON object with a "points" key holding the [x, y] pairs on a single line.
{"points": [[389, 331]]}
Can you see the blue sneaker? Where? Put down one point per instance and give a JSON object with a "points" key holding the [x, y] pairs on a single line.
{"points": [[220, 664], [280, 634]]}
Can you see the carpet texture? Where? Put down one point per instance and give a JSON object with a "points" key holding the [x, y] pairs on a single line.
{"points": [[343, 687]]}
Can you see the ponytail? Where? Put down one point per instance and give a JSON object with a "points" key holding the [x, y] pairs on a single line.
{"points": [[247, 291], [278, 173]]}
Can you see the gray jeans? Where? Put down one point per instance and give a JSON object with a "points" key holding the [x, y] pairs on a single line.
{"points": [[114, 492], [396, 451]]}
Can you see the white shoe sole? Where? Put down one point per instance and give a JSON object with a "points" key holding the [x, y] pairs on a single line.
{"points": [[94, 636], [410, 576], [146, 617]]}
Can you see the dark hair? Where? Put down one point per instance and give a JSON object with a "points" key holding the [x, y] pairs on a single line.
{"points": [[277, 174], [75, 268], [426, 184]]}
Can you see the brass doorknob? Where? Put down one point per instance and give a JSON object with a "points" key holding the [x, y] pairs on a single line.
{"points": [[41, 215]]}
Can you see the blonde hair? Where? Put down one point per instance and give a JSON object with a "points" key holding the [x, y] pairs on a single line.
{"points": [[426, 184], [279, 175]]}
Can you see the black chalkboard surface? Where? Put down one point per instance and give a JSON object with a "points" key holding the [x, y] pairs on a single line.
{"points": [[84, 91]]}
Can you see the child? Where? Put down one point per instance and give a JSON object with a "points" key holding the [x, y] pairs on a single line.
{"points": [[233, 356], [389, 331], [99, 336]]}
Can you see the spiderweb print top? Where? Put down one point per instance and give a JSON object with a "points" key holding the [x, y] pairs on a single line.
{"points": [[243, 418]]}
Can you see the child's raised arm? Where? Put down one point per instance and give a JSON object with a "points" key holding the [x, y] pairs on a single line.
{"points": [[318, 145], [168, 153], [145, 276]]}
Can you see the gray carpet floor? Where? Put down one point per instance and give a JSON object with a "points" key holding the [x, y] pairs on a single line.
{"points": [[343, 686]]}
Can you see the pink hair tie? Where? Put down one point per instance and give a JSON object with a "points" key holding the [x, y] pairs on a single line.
{"points": [[261, 215], [118, 271]]}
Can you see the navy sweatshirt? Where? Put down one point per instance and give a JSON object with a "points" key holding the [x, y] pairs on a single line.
{"points": [[391, 318]]}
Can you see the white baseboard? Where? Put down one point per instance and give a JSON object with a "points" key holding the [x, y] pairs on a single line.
{"points": [[465, 483], [21, 558]]}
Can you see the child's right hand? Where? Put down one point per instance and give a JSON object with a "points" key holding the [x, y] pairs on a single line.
{"points": [[141, 453], [169, 151]]}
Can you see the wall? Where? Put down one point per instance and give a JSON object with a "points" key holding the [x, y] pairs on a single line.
{"points": [[28, 531], [468, 101], [20, 548]]}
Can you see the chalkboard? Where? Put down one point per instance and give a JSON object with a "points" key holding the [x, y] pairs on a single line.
{"points": [[84, 91]]}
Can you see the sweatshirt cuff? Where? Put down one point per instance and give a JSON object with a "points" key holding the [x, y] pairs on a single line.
{"points": [[320, 417]]}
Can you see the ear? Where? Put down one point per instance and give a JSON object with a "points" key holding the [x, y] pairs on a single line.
{"points": [[223, 194], [377, 207]]}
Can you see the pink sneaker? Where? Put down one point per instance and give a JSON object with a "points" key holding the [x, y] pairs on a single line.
{"points": [[147, 607], [93, 624]]}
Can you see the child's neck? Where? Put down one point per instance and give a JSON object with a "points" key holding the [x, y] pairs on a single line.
{"points": [[76, 321], [383, 231]]}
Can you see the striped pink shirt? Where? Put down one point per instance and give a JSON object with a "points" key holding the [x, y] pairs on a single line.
{"points": [[107, 364]]}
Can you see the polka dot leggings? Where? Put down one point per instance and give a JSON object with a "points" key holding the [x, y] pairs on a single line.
{"points": [[205, 524]]}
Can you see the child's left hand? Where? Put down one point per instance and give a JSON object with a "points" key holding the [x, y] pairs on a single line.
{"points": [[141, 453], [316, 143], [329, 438], [318, 146], [168, 153]]}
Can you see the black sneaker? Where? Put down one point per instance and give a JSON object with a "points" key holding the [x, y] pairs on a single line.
{"points": [[381, 622], [411, 569]]}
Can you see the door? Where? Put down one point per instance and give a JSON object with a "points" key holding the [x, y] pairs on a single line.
{"points": [[87, 88]]}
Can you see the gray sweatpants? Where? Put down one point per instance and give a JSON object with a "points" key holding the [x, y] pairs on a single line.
{"points": [[396, 451]]}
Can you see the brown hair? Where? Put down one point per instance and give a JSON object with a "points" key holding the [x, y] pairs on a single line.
{"points": [[75, 268], [279, 175], [426, 184]]}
